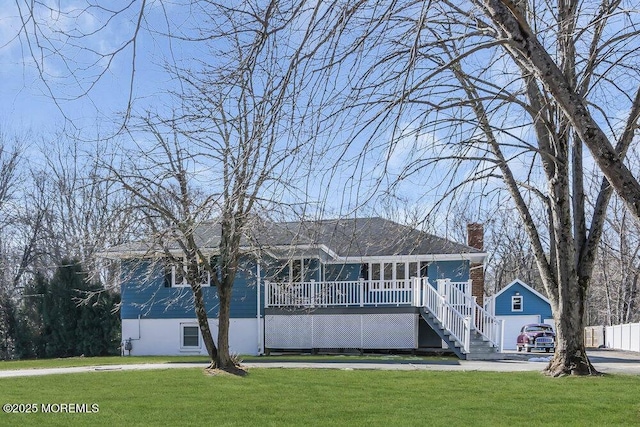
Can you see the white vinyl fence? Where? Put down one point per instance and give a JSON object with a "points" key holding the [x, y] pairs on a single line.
{"points": [[623, 337]]}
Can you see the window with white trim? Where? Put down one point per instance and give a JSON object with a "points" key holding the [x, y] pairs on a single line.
{"points": [[176, 273], [299, 270], [390, 275], [189, 336], [516, 303]]}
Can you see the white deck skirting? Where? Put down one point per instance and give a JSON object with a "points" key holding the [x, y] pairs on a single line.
{"points": [[351, 331]]}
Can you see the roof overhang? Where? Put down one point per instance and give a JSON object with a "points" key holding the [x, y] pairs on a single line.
{"points": [[276, 251], [477, 257], [285, 252]]}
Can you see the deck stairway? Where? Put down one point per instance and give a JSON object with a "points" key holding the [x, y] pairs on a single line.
{"points": [[467, 329], [479, 347]]}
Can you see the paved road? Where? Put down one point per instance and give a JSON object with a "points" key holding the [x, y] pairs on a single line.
{"points": [[607, 361]]}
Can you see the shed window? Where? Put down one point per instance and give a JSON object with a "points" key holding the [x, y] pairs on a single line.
{"points": [[516, 303]]}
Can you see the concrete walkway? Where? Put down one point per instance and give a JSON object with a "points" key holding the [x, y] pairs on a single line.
{"points": [[607, 361]]}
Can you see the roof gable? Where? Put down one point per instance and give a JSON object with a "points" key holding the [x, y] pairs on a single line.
{"points": [[518, 282]]}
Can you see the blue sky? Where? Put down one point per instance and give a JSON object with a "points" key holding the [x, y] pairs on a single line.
{"points": [[27, 104], [88, 90]]}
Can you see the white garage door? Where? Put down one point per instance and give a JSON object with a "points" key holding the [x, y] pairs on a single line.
{"points": [[512, 326]]}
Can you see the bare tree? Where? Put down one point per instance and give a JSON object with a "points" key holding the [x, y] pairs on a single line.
{"points": [[615, 293], [560, 80], [480, 120], [72, 56], [9, 178], [158, 176], [9, 159], [85, 212], [226, 151]]}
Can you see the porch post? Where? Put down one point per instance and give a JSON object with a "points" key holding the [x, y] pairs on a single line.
{"points": [[474, 312], [361, 291], [313, 293], [424, 282]]}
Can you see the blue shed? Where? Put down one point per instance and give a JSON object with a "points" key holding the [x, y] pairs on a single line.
{"points": [[518, 304]]}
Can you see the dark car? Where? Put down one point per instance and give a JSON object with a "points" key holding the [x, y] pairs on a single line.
{"points": [[537, 336]]}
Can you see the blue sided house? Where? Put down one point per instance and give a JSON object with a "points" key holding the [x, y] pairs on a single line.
{"points": [[362, 283], [516, 305]]}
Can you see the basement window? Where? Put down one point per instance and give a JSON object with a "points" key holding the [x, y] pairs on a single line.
{"points": [[190, 337], [516, 303]]}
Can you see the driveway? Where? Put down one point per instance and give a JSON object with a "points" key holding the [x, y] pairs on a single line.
{"points": [[615, 361], [604, 360]]}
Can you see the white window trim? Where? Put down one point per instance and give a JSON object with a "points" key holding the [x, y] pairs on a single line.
{"points": [[184, 283], [189, 325], [378, 284], [515, 298], [304, 269]]}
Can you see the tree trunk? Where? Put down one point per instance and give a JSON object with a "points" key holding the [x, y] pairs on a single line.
{"points": [[224, 361], [203, 323], [570, 357]]}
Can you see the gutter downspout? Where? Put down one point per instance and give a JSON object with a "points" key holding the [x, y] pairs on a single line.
{"points": [[258, 307]]}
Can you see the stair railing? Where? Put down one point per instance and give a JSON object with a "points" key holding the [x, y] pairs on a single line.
{"points": [[482, 321], [451, 319]]}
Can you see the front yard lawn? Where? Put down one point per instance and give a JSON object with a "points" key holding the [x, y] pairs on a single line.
{"points": [[296, 397]]}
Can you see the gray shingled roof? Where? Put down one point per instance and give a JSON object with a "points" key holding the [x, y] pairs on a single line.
{"points": [[367, 237], [361, 237]]}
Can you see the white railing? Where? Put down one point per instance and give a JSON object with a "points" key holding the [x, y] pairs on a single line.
{"points": [[451, 319], [458, 296], [340, 294]]}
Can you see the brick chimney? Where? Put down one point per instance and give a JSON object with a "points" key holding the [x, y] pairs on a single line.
{"points": [[475, 239]]}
